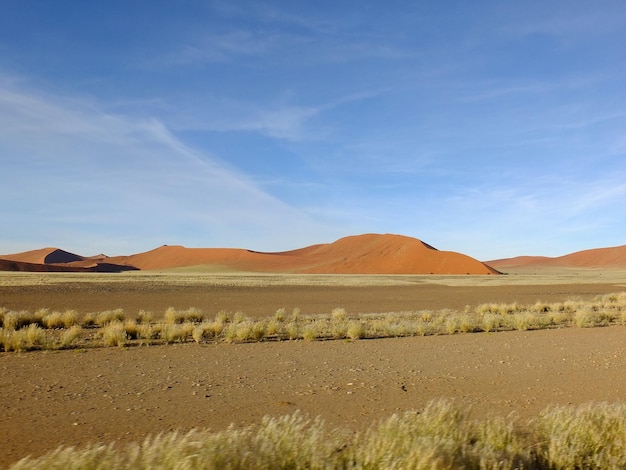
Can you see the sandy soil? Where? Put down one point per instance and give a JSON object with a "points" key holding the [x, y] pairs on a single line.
{"points": [[113, 394]]}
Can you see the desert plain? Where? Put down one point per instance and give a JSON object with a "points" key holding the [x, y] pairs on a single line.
{"points": [[122, 394]]}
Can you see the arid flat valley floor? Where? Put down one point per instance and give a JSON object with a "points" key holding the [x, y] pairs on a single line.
{"points": [[73, 397]]}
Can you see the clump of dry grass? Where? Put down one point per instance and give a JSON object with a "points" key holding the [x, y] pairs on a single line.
{"points": [[192, 314], [36, 336], [145, 316], [176, 332], [14, 320], [310, 332], [132, 329], [70, 336], [339, 314], [55, 319], [147, 333], [274, 327], [198, 333], [89, 319], [229, 334], [70, 318], [588, 317], [109, 316], [222, 316], [295, 314], [280, 314], [3, 312], [114, 334], [293, 330], [587, 436], [12, 340], [355, 330], [240, 317], [26, 339], [244, 331]]}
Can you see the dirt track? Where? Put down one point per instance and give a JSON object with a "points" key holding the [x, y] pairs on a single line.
{"points": [[113, 394]]}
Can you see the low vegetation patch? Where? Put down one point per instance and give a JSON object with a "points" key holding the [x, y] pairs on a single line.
{"points": [[23, 330], [591, 436]]}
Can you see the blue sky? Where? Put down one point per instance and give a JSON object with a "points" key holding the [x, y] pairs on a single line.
{"points": [[493, 128]]}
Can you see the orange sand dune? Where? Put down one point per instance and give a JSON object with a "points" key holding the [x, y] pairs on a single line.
{"points": [[613, 257], [44, 256], [57, 260], [360, 254]]}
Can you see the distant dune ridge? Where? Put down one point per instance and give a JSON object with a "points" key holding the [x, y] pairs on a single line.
{"points": [[359, 254], [612, 257]]}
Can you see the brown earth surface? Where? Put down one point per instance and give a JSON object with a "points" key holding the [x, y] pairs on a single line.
{"points": [[263, 301], [75, 397]]}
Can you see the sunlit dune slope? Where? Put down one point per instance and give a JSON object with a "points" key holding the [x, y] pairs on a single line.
{"points": [[389, 254], [44, 256], [612, 257]]}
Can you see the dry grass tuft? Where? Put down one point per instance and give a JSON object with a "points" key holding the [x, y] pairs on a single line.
{"points": [[70, 336], [53, 320], [174, 316], [109, 316], [588, 436], [132, 329], [280, 314], [145, 317], [114, 334], [339, 314], [175, 332], [12, 320], [355, 330]]}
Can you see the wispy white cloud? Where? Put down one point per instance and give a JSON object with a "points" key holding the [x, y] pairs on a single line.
{"points": [[282, 48], [560, 213], [282, 121], [493, 89], [278, 118], [594, 196], [74, 167], [280, 36], [230, 45]]}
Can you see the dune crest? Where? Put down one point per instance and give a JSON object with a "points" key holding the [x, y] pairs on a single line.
{"points": [[358, 254]]}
